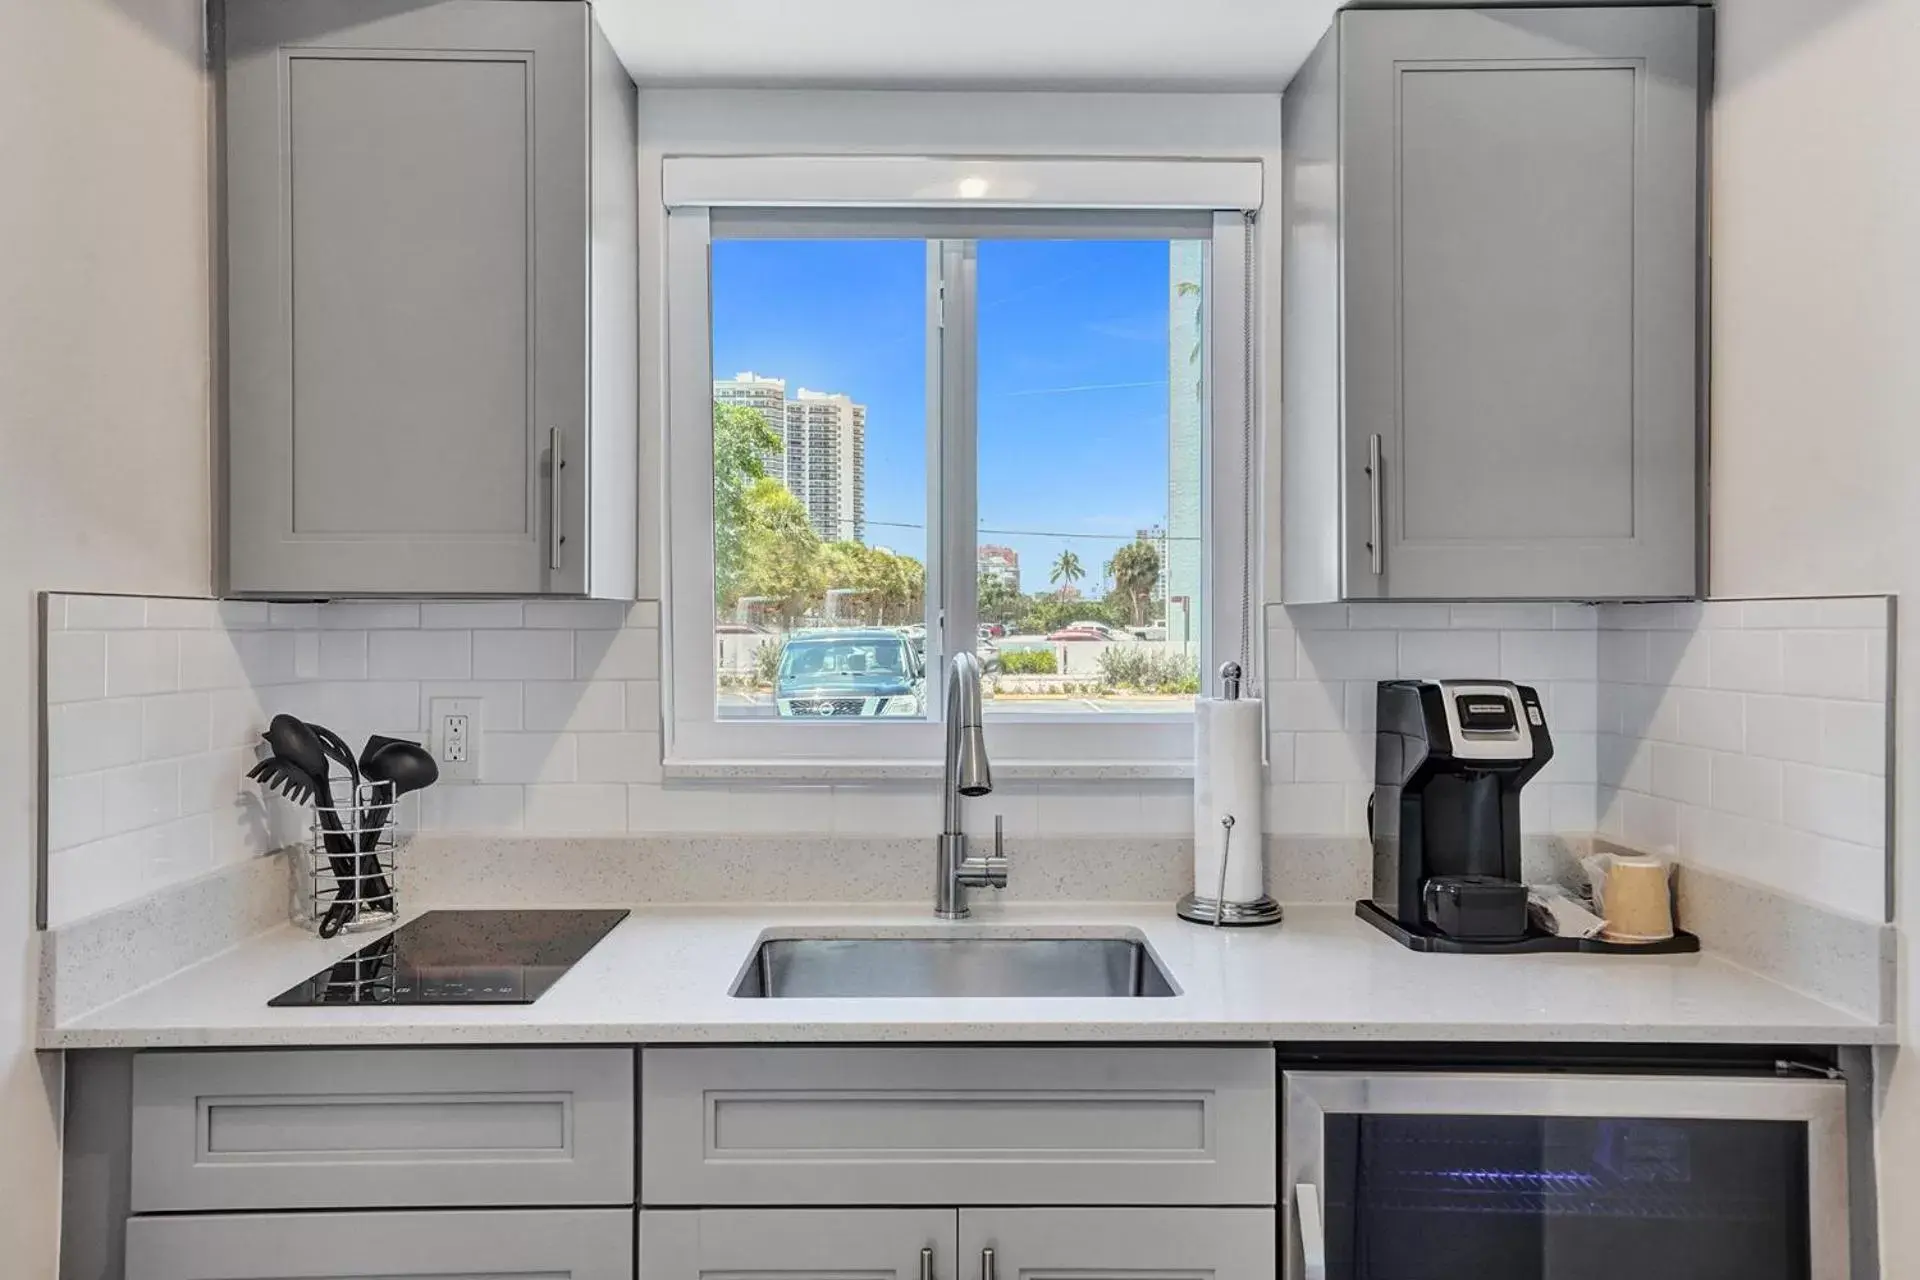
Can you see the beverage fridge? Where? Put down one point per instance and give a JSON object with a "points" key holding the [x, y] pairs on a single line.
{"points": [[1422, 1175]]}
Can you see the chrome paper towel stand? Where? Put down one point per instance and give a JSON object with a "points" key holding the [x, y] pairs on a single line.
{"points": [[1216, 910]]}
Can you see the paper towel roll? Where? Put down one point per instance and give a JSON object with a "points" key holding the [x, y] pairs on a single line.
{"points": [[1227, 780]]}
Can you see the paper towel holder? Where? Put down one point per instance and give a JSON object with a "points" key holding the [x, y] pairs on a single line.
{"points": [[1217, 911]]}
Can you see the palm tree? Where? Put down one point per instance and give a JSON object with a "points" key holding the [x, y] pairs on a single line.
{"points": [[1135, 570], [1066, 570]]}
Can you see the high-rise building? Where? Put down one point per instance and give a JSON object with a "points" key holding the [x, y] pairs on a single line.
{"points": [[822, 458], [831, 478], [767, 397], [1182, 563], [1002, 563]]}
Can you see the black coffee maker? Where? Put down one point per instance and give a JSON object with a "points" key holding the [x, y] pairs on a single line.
{"points": [[1450, 758]]}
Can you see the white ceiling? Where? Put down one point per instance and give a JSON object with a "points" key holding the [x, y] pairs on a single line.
{"points": [[1013, 44]]}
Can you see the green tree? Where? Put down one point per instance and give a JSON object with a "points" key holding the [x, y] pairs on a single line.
{"points": [[741, 440], [1050, 613], [1135, 570], [779, 551], [1066, 570], [998, 601]]}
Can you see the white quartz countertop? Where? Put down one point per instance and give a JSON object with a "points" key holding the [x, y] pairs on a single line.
{"points": [[664, 973]]}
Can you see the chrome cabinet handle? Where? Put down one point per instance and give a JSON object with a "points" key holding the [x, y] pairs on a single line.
{"points": [[555, 465], [1374, 533], [1313, 1232], [926, 1263], [986, 1264]]}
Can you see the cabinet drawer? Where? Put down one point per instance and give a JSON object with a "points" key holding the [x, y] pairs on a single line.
{"points": [[543, 1244], [963, 1125], [352, 1128]]}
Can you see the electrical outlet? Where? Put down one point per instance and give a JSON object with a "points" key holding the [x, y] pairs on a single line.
{"points": [[457, 732]]}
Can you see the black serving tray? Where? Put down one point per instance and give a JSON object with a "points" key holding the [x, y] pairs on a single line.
{"points": [[1418, 939]]}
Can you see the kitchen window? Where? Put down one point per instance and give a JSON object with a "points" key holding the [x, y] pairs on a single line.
{"points": [[901, 426]]}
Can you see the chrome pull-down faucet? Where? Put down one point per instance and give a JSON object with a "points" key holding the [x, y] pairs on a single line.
{"points": [[968, 773]]}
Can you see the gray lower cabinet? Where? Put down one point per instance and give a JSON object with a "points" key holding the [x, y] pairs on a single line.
{"points": [[1137, 1244], [958, 1124], [798, 1244], [545, 1244], [1492, 310], [431, 288], [394, 1128], [974, 1244]]}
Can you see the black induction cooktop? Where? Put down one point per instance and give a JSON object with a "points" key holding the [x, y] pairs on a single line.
{"points": [[460, 957]]}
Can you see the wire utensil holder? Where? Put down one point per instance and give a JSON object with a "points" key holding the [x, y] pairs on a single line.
{"points": [[351, 858]]}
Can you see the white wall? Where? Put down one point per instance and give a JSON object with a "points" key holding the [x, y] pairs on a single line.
{"points": [[103, 421], [1816, 388]]}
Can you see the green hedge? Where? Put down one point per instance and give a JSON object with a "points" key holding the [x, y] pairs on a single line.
{"points": [[1029, 662]]}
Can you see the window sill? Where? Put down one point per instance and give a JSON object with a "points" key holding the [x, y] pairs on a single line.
{"points": [[923, 771]]}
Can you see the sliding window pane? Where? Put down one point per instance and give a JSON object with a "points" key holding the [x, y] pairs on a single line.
{"points": [[1092, 400], [820, 478]]}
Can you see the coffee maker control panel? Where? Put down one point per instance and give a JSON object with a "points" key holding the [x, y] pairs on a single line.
{"points": [[1489, 722]]}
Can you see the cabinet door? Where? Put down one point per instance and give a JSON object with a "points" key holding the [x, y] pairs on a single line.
{"points": [[407, 300], [797, 1244], [1117, 1244], [548, 1244], [1521, 262]]}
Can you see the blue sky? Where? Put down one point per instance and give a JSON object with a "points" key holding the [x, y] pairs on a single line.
{"points": [[1072, 369]]}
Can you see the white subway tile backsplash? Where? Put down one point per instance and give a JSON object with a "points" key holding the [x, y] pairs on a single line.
{"points": [[106, 613], [175, 724], [1348, 655], [73, 811], [172, 614], [83, 737], [1528, 656], [208, 660], [369, 615], [1830, 802], [577, 706], [504, 701], [139, 795], [76, 666], [1305, 705], [632, 654], [297, 616], [421, 655], [244, 615], [1747, 785], [576, 615], [530, 757], [1504, 617], [1280, 658], [142, 662], [1332, 757], [1315, 617], [576, 809], [1438, 654], [644, 613], [1315, 808], [523, 655], [1744, 661], [618, 757], [1764, 723], [643, 705], [473, 807], [343, 655], [1826, 664], [1399, 617], [467, 615]]}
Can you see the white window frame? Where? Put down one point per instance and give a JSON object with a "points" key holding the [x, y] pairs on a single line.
{"points": [[944, 203]]}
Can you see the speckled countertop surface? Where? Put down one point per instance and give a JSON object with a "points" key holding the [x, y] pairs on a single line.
{"points": [[664, 973]]}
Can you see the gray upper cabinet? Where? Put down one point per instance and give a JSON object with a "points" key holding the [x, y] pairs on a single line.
{"points": [[431, 217], [1493, 264]]}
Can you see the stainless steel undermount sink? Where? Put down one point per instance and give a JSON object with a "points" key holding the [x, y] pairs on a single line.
{"points": [[926, 967]]}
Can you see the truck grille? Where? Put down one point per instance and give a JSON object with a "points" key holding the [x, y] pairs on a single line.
{"points": [[827, 706]]}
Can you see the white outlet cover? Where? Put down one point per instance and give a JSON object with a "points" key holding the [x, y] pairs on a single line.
{"points": [[472, 769]]}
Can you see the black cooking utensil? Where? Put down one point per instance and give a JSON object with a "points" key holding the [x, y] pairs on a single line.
{"points": [[289, 779], [407, 767], [294, 741]]}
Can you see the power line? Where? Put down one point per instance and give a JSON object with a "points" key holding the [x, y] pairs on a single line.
{"points": [[1046, 533]]}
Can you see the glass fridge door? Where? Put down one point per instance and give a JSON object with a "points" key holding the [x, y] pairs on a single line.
{"points": [[1420, 1176]]}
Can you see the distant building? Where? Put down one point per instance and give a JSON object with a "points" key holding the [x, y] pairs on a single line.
{"points": [[1002, 563], [767, 397], [822, 458], [830, 433], [1180, 560], [1156, 538]]}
